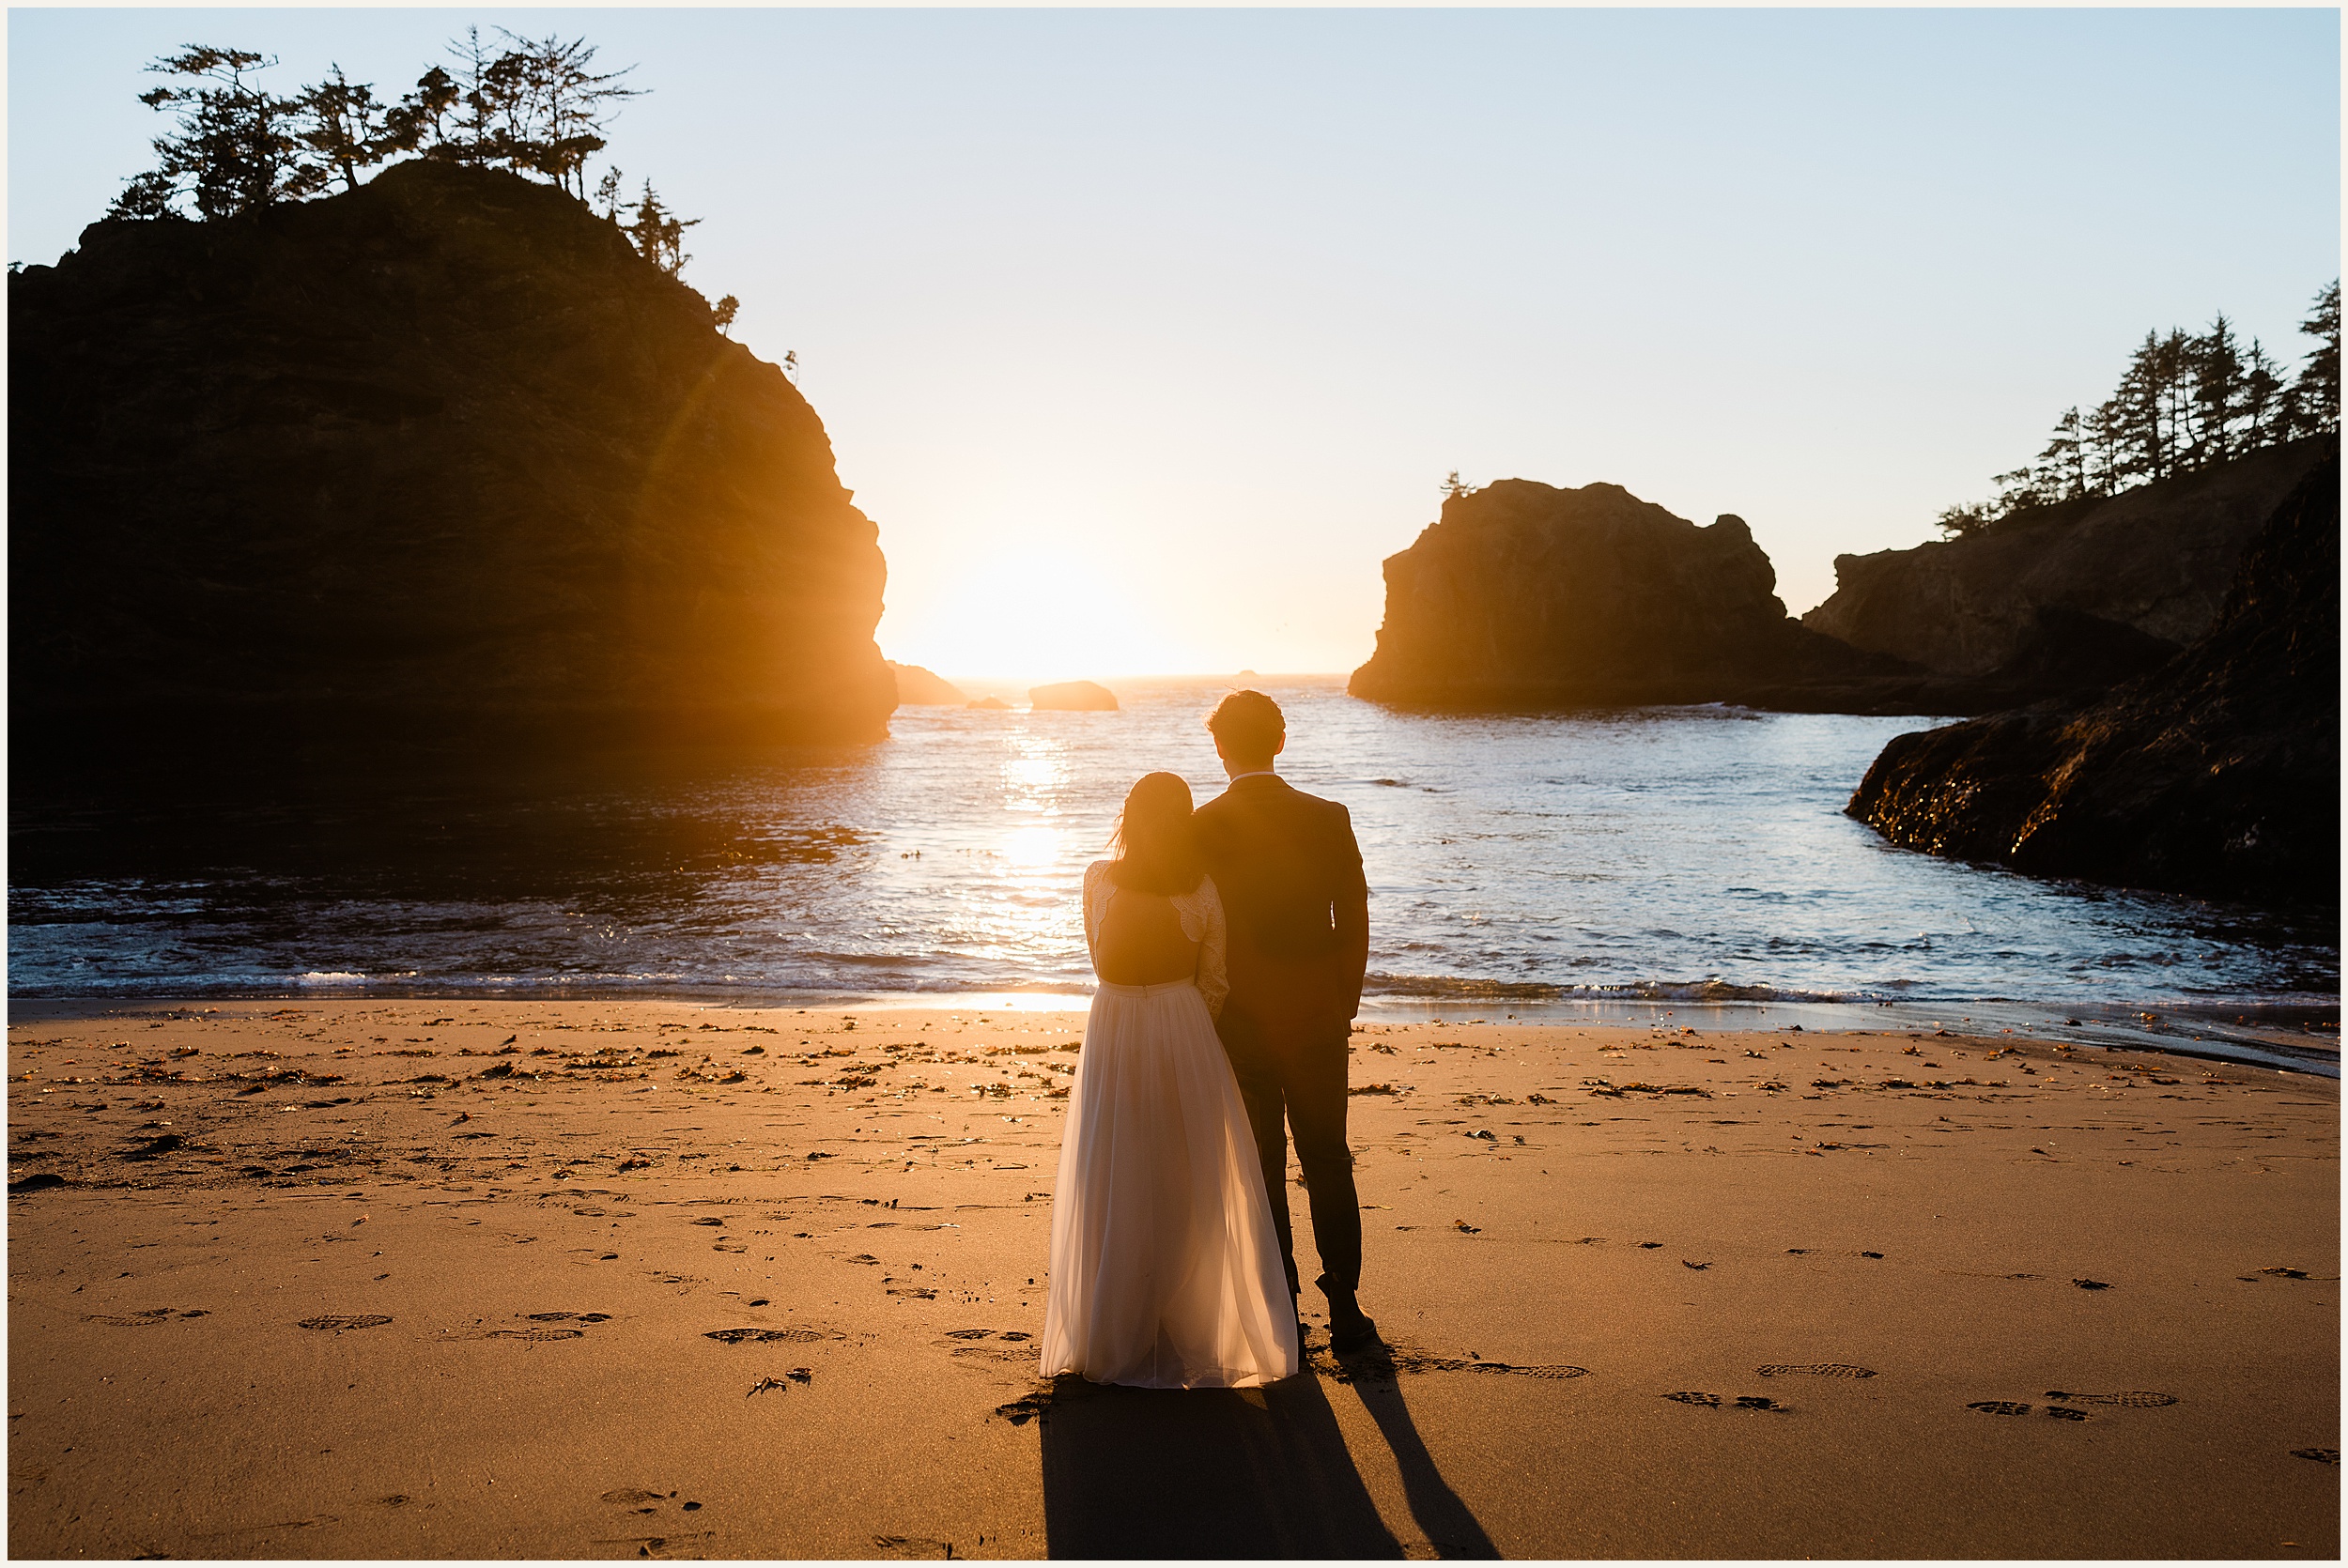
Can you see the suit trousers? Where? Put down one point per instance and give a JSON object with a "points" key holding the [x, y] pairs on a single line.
{"points": [[1297, 1080]]}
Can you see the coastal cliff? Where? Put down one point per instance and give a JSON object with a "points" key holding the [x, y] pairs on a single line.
{"points": [[2072, 597], [1525, 593], [441, 457], [2216, 775]]}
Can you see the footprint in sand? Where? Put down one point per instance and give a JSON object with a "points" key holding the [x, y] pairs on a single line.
{"points": [[152, 1314], [341, 1322], [2000, 1407], [1024, 1409], [804, 1376], [536, 1336], [1388, 1360], [650, 1546], [1712, 1401], [766, 1337], [910, 1546], [2135, 1399], [1820, 1368], [2321, 1455]]}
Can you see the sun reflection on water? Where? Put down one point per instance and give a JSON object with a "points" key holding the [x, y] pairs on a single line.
{"points": [[1034, 848]]}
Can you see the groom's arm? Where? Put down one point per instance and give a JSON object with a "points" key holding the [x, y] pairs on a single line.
{"points": [[1351, 908]]}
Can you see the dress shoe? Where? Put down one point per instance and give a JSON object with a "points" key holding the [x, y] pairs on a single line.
{"points": [[1352, 1332], [1348, 1328]]}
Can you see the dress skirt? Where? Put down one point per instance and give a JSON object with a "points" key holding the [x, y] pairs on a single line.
{"points": [[1165, 1270]]}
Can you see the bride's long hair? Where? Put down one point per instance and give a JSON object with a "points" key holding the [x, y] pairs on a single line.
{"points": [[1157, 847]]}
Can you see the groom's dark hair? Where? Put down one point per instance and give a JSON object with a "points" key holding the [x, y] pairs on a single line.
{"points": [[1249, 723]]}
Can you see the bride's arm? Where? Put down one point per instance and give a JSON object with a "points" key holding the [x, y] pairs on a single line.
{"points": [[1214, 943], [1096, 886]]}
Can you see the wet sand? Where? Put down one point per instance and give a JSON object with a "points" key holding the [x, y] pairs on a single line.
{"points": [[631, 1279]]}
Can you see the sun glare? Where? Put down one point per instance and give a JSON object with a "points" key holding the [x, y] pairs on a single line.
{"points": [[1037, 616]]}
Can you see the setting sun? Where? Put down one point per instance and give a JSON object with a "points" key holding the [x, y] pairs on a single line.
{"points": [[1036, 616]]}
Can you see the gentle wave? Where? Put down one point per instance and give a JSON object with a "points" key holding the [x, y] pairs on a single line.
{"points": [[1676, 858]]}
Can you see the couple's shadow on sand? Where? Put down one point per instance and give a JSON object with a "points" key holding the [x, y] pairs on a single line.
{"points": [[1222, 1473]]}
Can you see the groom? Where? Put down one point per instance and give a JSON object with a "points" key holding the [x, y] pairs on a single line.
{"points": [[1290, 876]]}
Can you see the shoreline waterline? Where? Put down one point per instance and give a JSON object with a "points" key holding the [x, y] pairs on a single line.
{"points": [[2287, 1036]]}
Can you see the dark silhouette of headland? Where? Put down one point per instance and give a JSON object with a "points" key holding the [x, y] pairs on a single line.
{"points": [[2073, 597], [2216, 773], [447, 455], [1523, 594]]}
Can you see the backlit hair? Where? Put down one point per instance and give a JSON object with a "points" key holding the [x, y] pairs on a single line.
{"points": [[1157, 849], [1249, 723]]}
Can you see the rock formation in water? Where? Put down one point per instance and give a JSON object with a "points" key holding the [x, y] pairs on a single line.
{"points": [[990, 705], [2069, 598], [2217, 774], [917, 687], [1525, 594], [1081, 696], [440, 457]]}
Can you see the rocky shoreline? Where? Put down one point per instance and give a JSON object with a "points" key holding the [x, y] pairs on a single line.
{"points": [[2217, 774]]}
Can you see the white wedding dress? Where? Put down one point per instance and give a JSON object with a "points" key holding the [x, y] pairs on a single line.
{"points": [[1165, 1270]]}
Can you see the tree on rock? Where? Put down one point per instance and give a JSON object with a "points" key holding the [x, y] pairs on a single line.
{"points": [[423, 116], [349, 129], [2187, 401], [238, 147], [2318, 387], [658, 233]]}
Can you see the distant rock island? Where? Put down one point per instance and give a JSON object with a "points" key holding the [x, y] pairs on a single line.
{"points": [[1072, 697], [440, 457], [1526, 594], [917, 687], [2066, 599], [2217, 774]]}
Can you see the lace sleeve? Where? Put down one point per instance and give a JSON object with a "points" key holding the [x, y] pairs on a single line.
{"points": [[1097, 893], [1213, 934]]}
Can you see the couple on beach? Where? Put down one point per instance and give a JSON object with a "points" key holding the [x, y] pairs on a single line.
{"points": [[1229, 942]]}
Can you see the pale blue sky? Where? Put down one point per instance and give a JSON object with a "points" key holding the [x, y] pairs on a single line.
{"points": [[1168, 323]]}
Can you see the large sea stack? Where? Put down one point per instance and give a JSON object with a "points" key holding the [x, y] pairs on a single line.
{"points": [[2216, 775], [2071, 598], [439, 458], [1526, 594]]}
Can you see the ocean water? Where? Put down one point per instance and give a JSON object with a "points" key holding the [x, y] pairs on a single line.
{"points": [[1684, 857]]}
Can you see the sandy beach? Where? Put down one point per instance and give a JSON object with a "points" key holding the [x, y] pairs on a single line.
{"points": [[579, 1279]]}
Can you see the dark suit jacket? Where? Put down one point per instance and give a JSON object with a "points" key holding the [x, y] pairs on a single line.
{"points": [[1290, 876]]}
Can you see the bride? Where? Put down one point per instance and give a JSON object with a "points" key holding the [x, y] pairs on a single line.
{"points": [[1165, 1270]]}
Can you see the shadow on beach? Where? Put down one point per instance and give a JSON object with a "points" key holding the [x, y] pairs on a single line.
{"points": [[1230, 1473]]}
